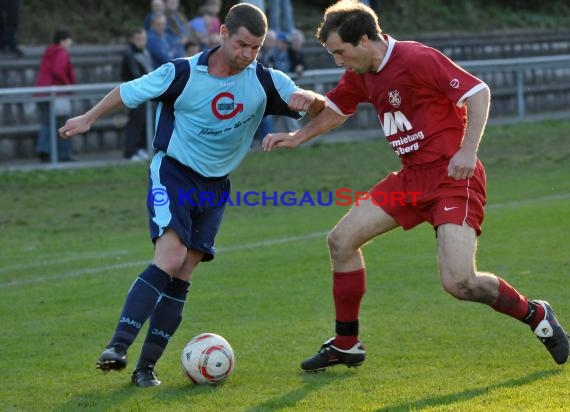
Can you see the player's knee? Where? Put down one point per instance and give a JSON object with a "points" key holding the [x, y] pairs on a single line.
{"points": [[171, 261], [336, 243], [459, 287]]}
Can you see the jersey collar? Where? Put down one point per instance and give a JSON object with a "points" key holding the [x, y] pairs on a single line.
{"points": [[391, 44], [203, 58]]}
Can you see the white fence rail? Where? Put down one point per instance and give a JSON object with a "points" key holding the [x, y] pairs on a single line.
{"points": [[513, 80]]}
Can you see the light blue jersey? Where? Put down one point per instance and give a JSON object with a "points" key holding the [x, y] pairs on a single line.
{"points": [[208, 123]]}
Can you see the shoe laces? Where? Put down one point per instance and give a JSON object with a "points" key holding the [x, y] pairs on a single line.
{"points": [[325, 347], [118, 349], [149, 370]]}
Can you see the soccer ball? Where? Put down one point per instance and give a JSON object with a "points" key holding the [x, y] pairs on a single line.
{"points": [[207, 359]]}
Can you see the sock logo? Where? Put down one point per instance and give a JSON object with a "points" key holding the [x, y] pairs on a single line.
{"points": [[131, 322], [162, 333]]}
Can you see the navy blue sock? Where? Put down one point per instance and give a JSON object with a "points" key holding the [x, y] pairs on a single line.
{"points": [[141, 301], [164, 322]]}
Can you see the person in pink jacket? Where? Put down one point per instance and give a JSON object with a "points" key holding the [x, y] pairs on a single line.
{"points": [[55, 69]]}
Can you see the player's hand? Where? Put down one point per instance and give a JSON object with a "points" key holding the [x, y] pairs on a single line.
{"points": [[462, 164], [277, 140], [73, 126], [301, 100]]}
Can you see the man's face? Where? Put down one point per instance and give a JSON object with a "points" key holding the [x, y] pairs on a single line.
{"points": [[139, 40], [241, 48], [356, 58], [159, 24]]}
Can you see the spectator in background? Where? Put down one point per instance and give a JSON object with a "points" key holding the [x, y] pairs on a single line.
{"points": [[176, 26], [281, 16], [9, 22], [258, 3], [199, 26], [191, 47], [296, 54], [214, 7], [55, 69], [206, 26], [158, 45], [136, 62], [156, 7], [281, 57], [268, 49]]}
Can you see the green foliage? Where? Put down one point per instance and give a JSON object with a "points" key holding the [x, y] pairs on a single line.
{"points": [[108, 21]]}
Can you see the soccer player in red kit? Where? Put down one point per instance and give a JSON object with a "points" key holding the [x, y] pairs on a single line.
{"points": [[433, 114]]}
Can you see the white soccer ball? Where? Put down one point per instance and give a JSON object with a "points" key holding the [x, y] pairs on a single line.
{"points": [[207, 359]]}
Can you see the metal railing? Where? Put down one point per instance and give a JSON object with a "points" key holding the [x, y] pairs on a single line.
{"points": [[319, 80], [49, 94]]}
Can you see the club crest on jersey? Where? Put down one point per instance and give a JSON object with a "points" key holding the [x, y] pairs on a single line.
{"points": [[394, 98], [224, 107]]}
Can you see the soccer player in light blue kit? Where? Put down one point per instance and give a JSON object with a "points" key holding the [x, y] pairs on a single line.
{"points": [[209, 107]]}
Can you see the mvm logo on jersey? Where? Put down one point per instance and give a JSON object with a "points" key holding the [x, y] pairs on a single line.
{"points": [[395, 122]]}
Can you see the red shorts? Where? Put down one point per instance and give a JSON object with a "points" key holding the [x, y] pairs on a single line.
{"points": [[415, 195]]}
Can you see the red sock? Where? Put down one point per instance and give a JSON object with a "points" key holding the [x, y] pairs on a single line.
{"points": [[512, 303], [348, 289]]}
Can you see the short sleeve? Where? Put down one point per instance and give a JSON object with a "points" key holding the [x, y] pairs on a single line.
{"points": [[284, 85], [347, 94], [278, 88], [147, 87], [440, 73]]}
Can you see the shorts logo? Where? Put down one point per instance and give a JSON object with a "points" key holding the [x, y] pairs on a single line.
{"points": [[454, 83], [227, 108], [447, 209], [394, 98]]}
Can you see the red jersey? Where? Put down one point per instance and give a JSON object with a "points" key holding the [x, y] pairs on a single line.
{"points": [[418, 94]]}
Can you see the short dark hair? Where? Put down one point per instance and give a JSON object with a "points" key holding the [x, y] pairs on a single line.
{"points": [[351, 20], [137, 30], [60, 34], [248, 16]]}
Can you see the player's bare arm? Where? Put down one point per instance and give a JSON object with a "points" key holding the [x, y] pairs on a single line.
{"points": [[326, 120], [82, 123], [462, 164], [307, 101]]}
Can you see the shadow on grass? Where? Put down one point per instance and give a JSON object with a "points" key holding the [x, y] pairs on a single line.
{"points": [[447, 400], [102, 400], [311, 382]]}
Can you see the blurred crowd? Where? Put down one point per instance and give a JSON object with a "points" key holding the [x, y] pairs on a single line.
{"points": [[171, 34]]}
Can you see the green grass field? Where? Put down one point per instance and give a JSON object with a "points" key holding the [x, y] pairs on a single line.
{"points": [[73, 241]]}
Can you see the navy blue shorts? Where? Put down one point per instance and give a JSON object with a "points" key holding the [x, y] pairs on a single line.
{"points": [[188, 203]]}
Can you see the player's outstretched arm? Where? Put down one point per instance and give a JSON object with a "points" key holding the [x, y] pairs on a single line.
{"points": [[326, 120], [82, 123]]}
